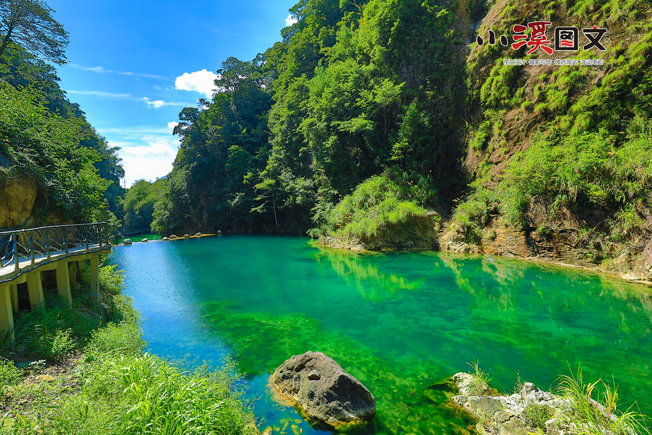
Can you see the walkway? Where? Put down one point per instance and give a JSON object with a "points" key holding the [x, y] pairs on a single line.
{"points": [[25, 254]]}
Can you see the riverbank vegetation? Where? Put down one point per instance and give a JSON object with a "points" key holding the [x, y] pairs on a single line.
{"points": [[573, 407], [82, 370], [290, 138], [353, 92]]}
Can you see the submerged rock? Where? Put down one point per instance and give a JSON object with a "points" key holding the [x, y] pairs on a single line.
{"points": [[323, 393]]}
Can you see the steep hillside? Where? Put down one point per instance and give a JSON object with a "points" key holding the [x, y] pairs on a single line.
{"points": [[54, 167], [547, 160], [560, 154]]}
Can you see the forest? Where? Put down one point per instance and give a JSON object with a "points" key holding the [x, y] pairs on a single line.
{"points": [[372, 115]]}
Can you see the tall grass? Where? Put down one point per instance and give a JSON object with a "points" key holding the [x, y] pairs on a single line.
{"points": [[114, 388], [480, 382], [601, 416]]}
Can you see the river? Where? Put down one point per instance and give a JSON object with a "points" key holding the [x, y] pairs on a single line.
{"points": [[399, 322]]}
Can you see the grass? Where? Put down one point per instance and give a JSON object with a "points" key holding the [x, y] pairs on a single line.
{"points": [[597, 417], [102, 383], [590, 408], [538, 414], [480, 383]]}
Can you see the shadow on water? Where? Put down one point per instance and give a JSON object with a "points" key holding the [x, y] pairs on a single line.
{"points": [[399, 322]]}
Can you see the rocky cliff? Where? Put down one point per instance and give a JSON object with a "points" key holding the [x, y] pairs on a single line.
{"points": [[17, 198]]}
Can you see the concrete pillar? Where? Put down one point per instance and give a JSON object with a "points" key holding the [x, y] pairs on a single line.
{"points": [[13, 290], [35, 289], [63, 281], [6, 313], [73, 266], [95, 279]]}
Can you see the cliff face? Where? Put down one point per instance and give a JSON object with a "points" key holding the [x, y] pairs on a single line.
{"points": [[570, 219], [17, 198]]}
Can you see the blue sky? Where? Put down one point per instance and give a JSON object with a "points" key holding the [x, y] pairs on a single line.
{"points": [[133, 65]]}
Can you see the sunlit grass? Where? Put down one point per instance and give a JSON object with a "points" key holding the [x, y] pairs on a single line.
{"points": [[597, 417]]}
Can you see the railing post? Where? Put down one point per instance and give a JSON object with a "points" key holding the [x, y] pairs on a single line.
{"points": [[16, 260], [65, 238], [86, 233], [31, 246], [47, 242]]}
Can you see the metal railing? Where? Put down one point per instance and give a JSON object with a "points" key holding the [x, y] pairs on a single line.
{"points": [[44, 242]]}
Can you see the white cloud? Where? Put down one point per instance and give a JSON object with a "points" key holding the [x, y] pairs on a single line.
{"points": [[102, 70], [157, 104], [134, 132], [200, 81], [172, 124], [290, 20], [101, 94], [149, 156]]}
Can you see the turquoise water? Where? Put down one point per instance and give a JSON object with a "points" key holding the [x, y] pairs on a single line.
{"points": [[399, 322]]}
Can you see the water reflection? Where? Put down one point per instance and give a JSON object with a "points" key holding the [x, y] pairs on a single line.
{"points": [[399, 322]]}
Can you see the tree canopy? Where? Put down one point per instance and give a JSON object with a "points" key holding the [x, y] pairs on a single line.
{"points": [[44, 134], [29, 24]]}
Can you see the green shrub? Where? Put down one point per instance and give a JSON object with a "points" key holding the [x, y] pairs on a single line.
{"points": [[121, 310], [584, 169], [122, 338], [9, 374], [539, 414], [111, 280], [376, 204], [61, 343], [54, 332]]}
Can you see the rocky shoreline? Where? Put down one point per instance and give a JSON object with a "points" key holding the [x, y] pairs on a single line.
{"points": [[534, 411], [558, 248]]}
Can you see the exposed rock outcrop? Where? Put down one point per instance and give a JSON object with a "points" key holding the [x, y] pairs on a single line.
{"points": [[324, 394], [17, 198], [530, 411]]}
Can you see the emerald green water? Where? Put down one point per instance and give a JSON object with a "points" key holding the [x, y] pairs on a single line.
{"points": [[398, 322]]}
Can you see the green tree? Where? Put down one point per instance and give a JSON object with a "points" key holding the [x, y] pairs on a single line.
{"points": [[138, 203], [29, 24], [46, 146]]}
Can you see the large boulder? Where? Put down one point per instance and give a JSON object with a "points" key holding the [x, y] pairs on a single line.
{"points": [[324, 394]]}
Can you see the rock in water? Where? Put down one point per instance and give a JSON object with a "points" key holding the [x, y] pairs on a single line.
{"points": [[323, 393]]}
